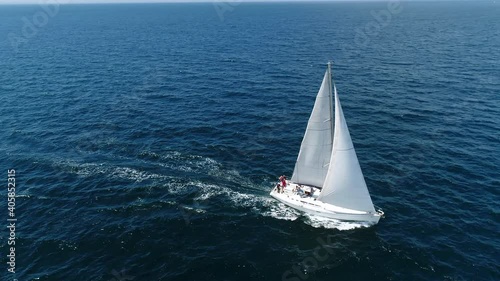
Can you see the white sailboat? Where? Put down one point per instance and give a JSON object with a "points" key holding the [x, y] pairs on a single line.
{"points": [[327, 180]]}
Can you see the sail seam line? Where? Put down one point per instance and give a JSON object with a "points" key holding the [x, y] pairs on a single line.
{"points": [[344, 149]]}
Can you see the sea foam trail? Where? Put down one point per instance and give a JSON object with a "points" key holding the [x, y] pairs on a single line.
{"points": [[262, 205]]}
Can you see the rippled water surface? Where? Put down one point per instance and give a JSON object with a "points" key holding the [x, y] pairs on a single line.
{"points": [[146, 138]]}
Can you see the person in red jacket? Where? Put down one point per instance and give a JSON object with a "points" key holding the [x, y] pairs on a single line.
{"points": [[283, 181]]}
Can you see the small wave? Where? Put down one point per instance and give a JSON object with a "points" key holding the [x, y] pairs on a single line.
{"points": [[186, 163], [208, 191], [191, 209], [133, 174], [199, 164], [282, 212], [67, 245], [89, 169]]}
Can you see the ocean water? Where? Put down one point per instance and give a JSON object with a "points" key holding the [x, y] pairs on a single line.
{"points": [[146, 138]]}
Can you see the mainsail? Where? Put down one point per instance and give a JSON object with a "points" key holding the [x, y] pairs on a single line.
{"points": [[316, 148], [345, 185]]}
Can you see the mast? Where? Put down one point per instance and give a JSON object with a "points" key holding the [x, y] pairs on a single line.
{"points": [[331, 95]]}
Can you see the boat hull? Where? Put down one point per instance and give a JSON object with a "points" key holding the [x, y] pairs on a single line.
{"points": [[308, 204]]}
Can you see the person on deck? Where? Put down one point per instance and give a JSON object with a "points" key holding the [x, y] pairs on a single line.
{"points": [[283, 181], [278, 188], [310, 192]]}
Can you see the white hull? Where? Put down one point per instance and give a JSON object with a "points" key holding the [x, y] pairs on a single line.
{"points": [[309, 204]]}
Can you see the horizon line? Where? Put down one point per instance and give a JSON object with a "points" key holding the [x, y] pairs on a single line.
{"points": [[82, 2]]}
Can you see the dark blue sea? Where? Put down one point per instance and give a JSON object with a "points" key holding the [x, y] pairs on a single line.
{"points": [[145, 139]]}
